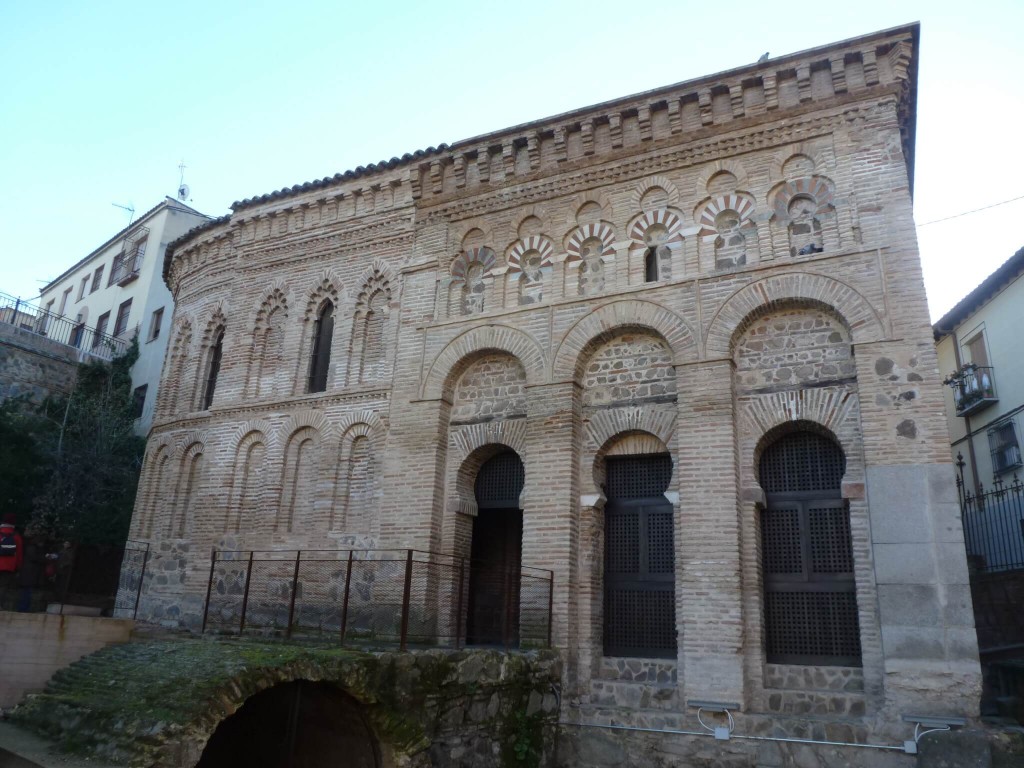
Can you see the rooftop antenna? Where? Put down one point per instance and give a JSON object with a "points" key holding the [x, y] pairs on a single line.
{"points": [[183, 190], [130, 208]]}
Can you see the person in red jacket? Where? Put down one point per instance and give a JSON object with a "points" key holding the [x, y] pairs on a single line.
{"points": [[12, 548]]}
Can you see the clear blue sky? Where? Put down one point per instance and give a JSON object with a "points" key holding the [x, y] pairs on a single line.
{"points": [[102, 100]]}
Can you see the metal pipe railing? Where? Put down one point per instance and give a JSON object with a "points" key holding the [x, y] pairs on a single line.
{"points": [[59, 328], [404, 596]]}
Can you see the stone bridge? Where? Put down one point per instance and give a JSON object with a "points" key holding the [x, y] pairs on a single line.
{"points": [[188, 701]]}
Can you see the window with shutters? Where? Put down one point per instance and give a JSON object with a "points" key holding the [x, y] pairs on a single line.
{"points": [[123, 312], [810, 597], [101, 329], [320, 358], [639, 600]]}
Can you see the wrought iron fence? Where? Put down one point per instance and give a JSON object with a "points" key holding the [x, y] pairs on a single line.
{"points": [[993, 523], [408, 597], [64, 330]]}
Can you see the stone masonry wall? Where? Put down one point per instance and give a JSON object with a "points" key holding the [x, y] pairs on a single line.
{"points": [[735, 340], [34, 366]]}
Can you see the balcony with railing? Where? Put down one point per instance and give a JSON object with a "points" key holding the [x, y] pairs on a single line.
{"points": [[128, 263], [64, 330], [974, 388]]}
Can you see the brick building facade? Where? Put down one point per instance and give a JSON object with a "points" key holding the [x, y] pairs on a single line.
{"points": [[722, 272]]}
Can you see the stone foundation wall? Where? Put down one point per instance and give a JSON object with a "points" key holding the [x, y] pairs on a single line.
{"points": [[33, 365]]}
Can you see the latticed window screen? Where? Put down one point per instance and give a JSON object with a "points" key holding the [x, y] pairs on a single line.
{"points": [[802, 461], [499, 482], [810, 593], [640, 617], [638, 477]]}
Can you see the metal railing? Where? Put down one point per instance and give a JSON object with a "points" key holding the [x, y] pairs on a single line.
{"points": [[974, 388], [126, 267], [63, 330], [993, 523], [377, 597]]}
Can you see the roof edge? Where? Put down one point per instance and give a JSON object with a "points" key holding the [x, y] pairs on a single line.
{"points": [[167, 202], [1009, 270]]}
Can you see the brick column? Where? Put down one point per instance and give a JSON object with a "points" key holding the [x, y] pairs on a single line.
{"points": [[413, 472], [551, 498], [708, 584], [589, 603]]}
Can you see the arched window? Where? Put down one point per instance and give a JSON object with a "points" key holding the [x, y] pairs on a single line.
{"points": [[320, 359], [373, 332], [651, 265], [213, 370], [810, 598], [639, 595]]}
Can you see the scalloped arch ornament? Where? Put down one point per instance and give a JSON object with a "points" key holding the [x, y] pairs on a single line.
{"points": [[483, 256], [599, 230], [538, 243], [741, 203], [818, 188]]}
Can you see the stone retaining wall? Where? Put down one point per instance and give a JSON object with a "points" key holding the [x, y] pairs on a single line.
{"points": [[35, 645]]}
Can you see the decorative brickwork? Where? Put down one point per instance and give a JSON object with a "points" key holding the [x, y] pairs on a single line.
{"points": [[696, 271]]}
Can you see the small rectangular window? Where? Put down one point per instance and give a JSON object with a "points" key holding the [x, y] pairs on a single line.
{"points": [[154, 324], [115, 269], [82, 288], [64, 300], [101, 329], [139, 401], [977, 351], [1004, 448], [97, 279], [121, 325]]}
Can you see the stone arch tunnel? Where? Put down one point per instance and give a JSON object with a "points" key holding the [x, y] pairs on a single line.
{"points": [[184, 702]]}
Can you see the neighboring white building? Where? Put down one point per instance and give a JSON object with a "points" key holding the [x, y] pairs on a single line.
{"points": [[981, 352], [118, 290]]}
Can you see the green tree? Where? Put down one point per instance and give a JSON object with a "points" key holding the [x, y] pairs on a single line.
{"points": [[25, 457], [93, 456]]}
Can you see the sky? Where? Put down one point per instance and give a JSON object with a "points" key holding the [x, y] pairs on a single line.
{"points": [[101, 101]]}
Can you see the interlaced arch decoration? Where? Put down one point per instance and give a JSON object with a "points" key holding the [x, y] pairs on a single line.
{"points": [[267, 351], [215, 331], [174, 381], [373, 304]]}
